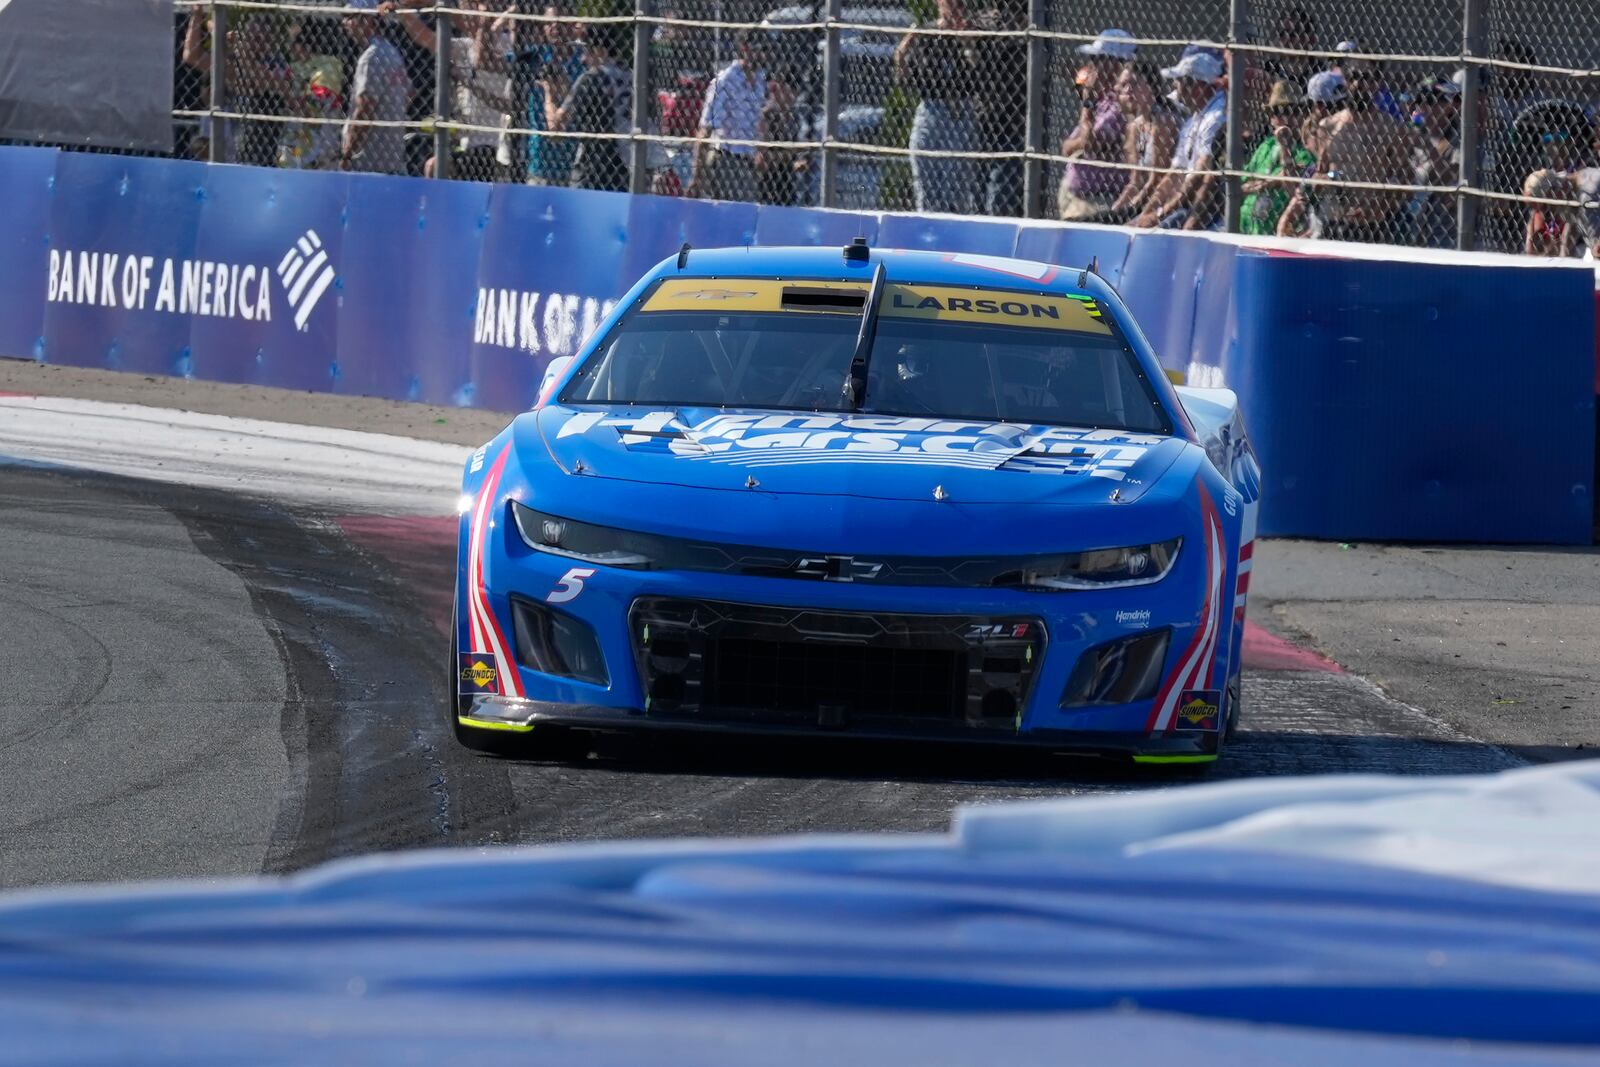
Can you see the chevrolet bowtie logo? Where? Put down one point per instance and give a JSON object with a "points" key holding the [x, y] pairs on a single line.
{"points": [[836, 569], [719, 294]]}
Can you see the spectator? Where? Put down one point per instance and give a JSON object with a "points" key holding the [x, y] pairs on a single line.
{"points": [[599, 102], [679, 107], [1183, 195], [941, 71], [1382, 98], [1297, 34], [1550, 230], [317, 80], [191, 88], [1087, 191], [1570, 229], [553, 58], [480, 77], [1003, 103], [776, 168], [679, 70], [1363, 144], [1277, 163], [1152, 133], [1514, 90], [379, 93], [724, 168], [258, 80], [1325, 96], [1436, 161]]}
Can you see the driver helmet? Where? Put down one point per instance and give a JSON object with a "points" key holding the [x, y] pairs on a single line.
{"points": [[911, 363]]}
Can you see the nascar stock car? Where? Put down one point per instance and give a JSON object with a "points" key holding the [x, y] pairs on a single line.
{"points": [[875, 493]]}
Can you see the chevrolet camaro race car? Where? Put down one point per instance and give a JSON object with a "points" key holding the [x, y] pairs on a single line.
{"points": [[875, 493]]}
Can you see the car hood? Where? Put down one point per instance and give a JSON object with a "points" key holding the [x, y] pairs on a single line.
{"points": [[874, 456]]}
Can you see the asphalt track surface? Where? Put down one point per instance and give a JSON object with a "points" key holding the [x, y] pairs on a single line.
{"points": [[216, 679]]}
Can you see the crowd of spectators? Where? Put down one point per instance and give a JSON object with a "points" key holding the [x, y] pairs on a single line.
{"points": [[1335, 146], [1149, 147]]}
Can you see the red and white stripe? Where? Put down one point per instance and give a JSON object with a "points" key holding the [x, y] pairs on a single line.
{"points": [[487, 636], [1198, 662], [1241, 585], [1247, 542]]}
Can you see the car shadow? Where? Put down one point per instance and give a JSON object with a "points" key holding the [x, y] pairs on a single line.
{"points": [[1251, 754]]}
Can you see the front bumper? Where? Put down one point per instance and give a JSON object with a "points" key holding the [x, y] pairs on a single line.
{"points": [[524, 716], [617, 604]]}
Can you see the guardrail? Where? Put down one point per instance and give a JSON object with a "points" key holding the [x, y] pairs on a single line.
{"points": [[1394, 400]]}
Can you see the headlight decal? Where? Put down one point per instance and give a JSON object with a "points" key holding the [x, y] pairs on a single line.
{"points": [[1104, 568], [1197, 664], [1100, 568], [605, 545]]}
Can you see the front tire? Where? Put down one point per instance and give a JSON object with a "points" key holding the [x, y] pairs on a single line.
{"points": [[1235, 698]]}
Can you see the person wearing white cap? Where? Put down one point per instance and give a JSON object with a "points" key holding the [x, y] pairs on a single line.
{"points": [[1325, 93], [379, 92], [1088, 191], [1118, 44], [1184, 197]]}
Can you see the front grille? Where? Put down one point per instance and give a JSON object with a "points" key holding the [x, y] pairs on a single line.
{"points": [[793, 676], [717, 662]]}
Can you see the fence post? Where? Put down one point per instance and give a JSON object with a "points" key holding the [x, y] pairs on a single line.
{"points": [[1471, 94], [216, 150], [1238, 62], [638, 147], [1033, 172], [827, 193], [442, 31]]}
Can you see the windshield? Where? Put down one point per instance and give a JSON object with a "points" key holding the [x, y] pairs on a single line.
{"points": [[966, 363]]}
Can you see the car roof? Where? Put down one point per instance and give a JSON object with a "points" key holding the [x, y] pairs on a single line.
{"points": [[904, 265]]}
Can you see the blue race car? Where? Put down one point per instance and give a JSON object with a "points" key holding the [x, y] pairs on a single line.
{"points": [[880, 494]]}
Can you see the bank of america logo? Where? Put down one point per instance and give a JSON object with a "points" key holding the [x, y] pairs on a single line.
{"points": [[306, 274]]}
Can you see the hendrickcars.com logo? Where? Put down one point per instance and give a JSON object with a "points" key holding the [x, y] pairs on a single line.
{"points": [[221, 289]]}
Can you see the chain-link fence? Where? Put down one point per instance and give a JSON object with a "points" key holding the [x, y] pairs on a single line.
{"points": [[1435, 123]]}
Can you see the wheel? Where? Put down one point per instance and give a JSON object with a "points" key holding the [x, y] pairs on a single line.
{"points": [[1235, 698]]}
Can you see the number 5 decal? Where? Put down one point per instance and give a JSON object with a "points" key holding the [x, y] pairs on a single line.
{"points": [[570, 586]]}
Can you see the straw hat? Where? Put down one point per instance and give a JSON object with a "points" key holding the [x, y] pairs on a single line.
{"points": [[1284, 94]]}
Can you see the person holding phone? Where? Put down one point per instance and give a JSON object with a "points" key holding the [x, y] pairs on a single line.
{"points": [[1276, 165]]}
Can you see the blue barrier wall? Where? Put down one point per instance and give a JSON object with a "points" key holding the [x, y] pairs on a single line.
{"points": [[1388, 400]]}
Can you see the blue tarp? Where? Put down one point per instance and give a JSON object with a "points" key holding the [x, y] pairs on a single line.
{"points": [[1405, 400], [1310, 921]]}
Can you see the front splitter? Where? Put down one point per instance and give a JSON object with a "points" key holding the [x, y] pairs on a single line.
{"points": [[514, 715]]}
